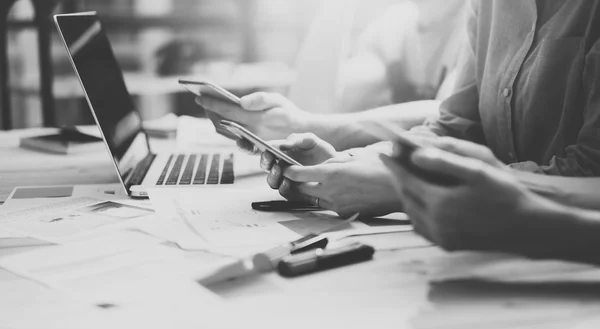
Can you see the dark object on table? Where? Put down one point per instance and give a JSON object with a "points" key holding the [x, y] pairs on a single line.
{"points": [[67, 141], [324, 259], [268, 260], [284, 206]]}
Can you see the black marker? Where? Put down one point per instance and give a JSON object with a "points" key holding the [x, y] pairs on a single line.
{"points": [[267, 261], [284, 206], [323, 259]]}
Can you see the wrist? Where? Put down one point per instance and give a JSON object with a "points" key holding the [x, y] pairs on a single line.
{"points": [[554, 231], [530, 231], [343, 131], [307, 122]]}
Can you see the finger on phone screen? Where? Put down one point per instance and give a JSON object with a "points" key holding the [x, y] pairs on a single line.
{"points": [[247, 147], [275, 177], [267, 160]]}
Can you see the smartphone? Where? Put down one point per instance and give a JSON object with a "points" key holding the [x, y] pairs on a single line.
{"points": [[404, 146], [205, 88], [209, 89], [258, 142]]}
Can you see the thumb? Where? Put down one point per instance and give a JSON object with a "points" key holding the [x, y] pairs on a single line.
{"points": [[299, 141], [307, 174], [262, 101], [247, 147]]}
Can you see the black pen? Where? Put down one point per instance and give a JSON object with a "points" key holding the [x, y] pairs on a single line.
{"points": [[323, 259], [268, 260], [282, 206]]}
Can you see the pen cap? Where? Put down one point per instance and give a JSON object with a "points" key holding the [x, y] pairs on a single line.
{"points": [[266, 261], [299, 264]]}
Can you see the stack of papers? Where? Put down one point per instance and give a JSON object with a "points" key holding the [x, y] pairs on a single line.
{"points": [[221, 219], [112, 251]]}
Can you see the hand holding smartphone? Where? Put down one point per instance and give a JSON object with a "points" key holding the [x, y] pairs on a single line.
{"points": [[228, 128], [209, 89], [258, 142], [404, 146], [205, 88]]}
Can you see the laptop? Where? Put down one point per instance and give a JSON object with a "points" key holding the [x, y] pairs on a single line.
{"points": [[119, 121]]}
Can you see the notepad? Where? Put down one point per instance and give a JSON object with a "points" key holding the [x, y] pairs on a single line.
{"points": [[42, 192], [67, 141]]}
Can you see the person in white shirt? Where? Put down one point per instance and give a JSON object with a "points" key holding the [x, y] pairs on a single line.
{"points": [[408, 54], [405, 63]]}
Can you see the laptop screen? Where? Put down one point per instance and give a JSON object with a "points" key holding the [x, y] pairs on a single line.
{"points": [[104, 87]]}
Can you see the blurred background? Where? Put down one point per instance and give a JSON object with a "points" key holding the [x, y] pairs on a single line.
{"points": [[244, 45]]}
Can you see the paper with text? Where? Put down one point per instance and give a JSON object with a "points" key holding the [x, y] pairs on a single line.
{"points": [[59, 221], [217, 217]]}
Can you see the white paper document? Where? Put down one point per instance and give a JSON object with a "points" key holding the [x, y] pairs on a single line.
{"points": [[63, 219], [54, 265], [6, 234], [108, 269], [168, 304], [218, 218]]}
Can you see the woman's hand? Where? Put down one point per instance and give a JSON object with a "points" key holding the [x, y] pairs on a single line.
{"points": [[345, 185], [269, 116], [467, 149], [334, 181], [307, 149], [487, 210]]}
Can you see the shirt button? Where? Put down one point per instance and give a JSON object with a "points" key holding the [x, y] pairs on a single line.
{"points": [[506, 92]]}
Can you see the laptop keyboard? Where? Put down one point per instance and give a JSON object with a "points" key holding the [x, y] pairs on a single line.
{"points": [[163, 174], [213, 175], [197, 169], [186, 178], [140, 171], [201, 174], [174, 175]]}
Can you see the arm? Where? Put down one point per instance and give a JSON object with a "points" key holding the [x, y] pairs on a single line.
{"points": [[365, 85], [578, 192], [565, 233], [345, 131], [583, 158], [272, 117]]}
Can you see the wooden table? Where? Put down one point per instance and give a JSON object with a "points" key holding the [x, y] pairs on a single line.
{"points": [[392, 291]]}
